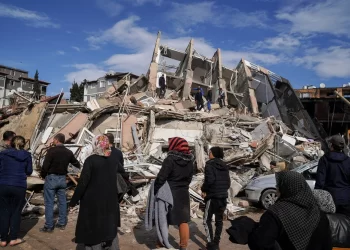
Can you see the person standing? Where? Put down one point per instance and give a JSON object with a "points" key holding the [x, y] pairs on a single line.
{"points": [[209, 98], [199, 99], [54, 171], [215, 193], [295, 221], [162, 86], [333, 175], [97, 193], [177, 170], [6, 140], [221, 98], [15, 166]]}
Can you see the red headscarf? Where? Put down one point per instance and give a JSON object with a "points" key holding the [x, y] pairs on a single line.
{"points": [[179, 144]]}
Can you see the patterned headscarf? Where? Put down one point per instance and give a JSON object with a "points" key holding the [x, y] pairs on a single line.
{"points": [[296, 208], [325, 201], [100, 146], [179, 144]]}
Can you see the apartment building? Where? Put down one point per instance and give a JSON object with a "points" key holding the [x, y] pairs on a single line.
{"points": [[96, 88], [12, 79]]}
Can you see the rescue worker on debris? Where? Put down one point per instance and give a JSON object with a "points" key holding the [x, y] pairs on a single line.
{"points": [[6, 140], [209, 98], [54, 171], [221, 98], [333, 175], [215, 193], [199, 99], [162, 86]]}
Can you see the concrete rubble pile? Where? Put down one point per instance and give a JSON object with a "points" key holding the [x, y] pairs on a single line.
{"points": [[265, 122]]}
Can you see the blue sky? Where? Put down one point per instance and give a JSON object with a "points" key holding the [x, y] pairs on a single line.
{"points": [[305, 41]]}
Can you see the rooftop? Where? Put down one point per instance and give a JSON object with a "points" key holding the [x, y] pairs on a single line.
{"points": [[7, 67], [32, 79]]}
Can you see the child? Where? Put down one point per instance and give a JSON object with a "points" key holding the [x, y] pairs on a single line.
{"points": [[215, 192]]}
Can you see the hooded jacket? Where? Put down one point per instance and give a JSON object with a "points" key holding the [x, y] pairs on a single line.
{"points": [[15, 166], [217, 179], [333, 175]]}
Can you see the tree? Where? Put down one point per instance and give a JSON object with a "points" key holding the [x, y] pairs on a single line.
{"points": [[36, 86], [77, 92]]}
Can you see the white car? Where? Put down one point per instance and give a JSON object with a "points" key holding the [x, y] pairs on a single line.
{"points": [[263, 189]]}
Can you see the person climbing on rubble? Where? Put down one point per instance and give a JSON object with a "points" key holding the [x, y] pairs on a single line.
{"points": [[15, 166], [209, 98], [6, 140], [177, 169], [295, 222], [215, 193], [162, 86], [54, 171], [333, 175], [221, 98], [99, 215], [199, 99]]}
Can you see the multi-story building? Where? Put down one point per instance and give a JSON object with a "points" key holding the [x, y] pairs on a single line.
{"points": [[96, 88], [12, 79]]}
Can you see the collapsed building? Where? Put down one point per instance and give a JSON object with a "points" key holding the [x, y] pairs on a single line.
{"points": [[264, 120]]}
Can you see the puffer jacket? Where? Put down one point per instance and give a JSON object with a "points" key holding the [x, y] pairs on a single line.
{"points": [[217, 179]]}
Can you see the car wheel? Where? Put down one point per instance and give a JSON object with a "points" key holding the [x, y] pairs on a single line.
{"points": [[268, 198]]}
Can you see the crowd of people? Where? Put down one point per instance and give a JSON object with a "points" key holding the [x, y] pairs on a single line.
{"points": [[299, 220]]}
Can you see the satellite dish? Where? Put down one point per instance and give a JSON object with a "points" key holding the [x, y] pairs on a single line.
{"points": [[322, 85]]}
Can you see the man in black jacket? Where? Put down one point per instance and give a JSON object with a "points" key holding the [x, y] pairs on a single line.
{"points": [[162, 86], [54, 170], [333, 175], [215, 192]]}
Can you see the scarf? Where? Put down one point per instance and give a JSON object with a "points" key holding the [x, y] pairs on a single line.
{"points": [[100, 146], [296, 208], [179, 144], [325, 201]]}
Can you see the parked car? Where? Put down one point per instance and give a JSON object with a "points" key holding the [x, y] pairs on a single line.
{"points": [[263, 189]]}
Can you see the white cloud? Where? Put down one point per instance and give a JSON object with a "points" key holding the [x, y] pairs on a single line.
{"points": [[185, 15], [76, 48], [32, 18], [86, 71], [283, 42], [328, 17], [60, 52], [111, 7], [139, 42], [331, 62], [142, 2]]}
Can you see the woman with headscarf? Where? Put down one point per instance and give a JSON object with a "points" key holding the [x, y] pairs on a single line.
{"points": [[99, 215], [177, 170], [295, 222], [15, 166]]}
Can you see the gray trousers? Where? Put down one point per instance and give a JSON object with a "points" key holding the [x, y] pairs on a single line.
{"points": [[101, 246]]}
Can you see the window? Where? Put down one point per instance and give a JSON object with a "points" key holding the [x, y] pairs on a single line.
{"points": [[92, 85], [43, 89], [109, 82], [12, 83], [102, 84]]}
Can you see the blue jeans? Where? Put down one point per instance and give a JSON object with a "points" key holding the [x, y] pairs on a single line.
{"points": [[55, 185]]}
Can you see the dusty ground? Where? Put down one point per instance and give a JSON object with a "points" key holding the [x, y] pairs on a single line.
{"points": [[138, 239]]}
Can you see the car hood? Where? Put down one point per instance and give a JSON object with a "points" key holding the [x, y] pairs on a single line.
{"points": [[263, 180]]}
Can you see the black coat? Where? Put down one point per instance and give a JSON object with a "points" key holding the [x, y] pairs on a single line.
{"points": [[217, 179], [177, 170], [333, 175], [99, 216], [270, 229]]}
